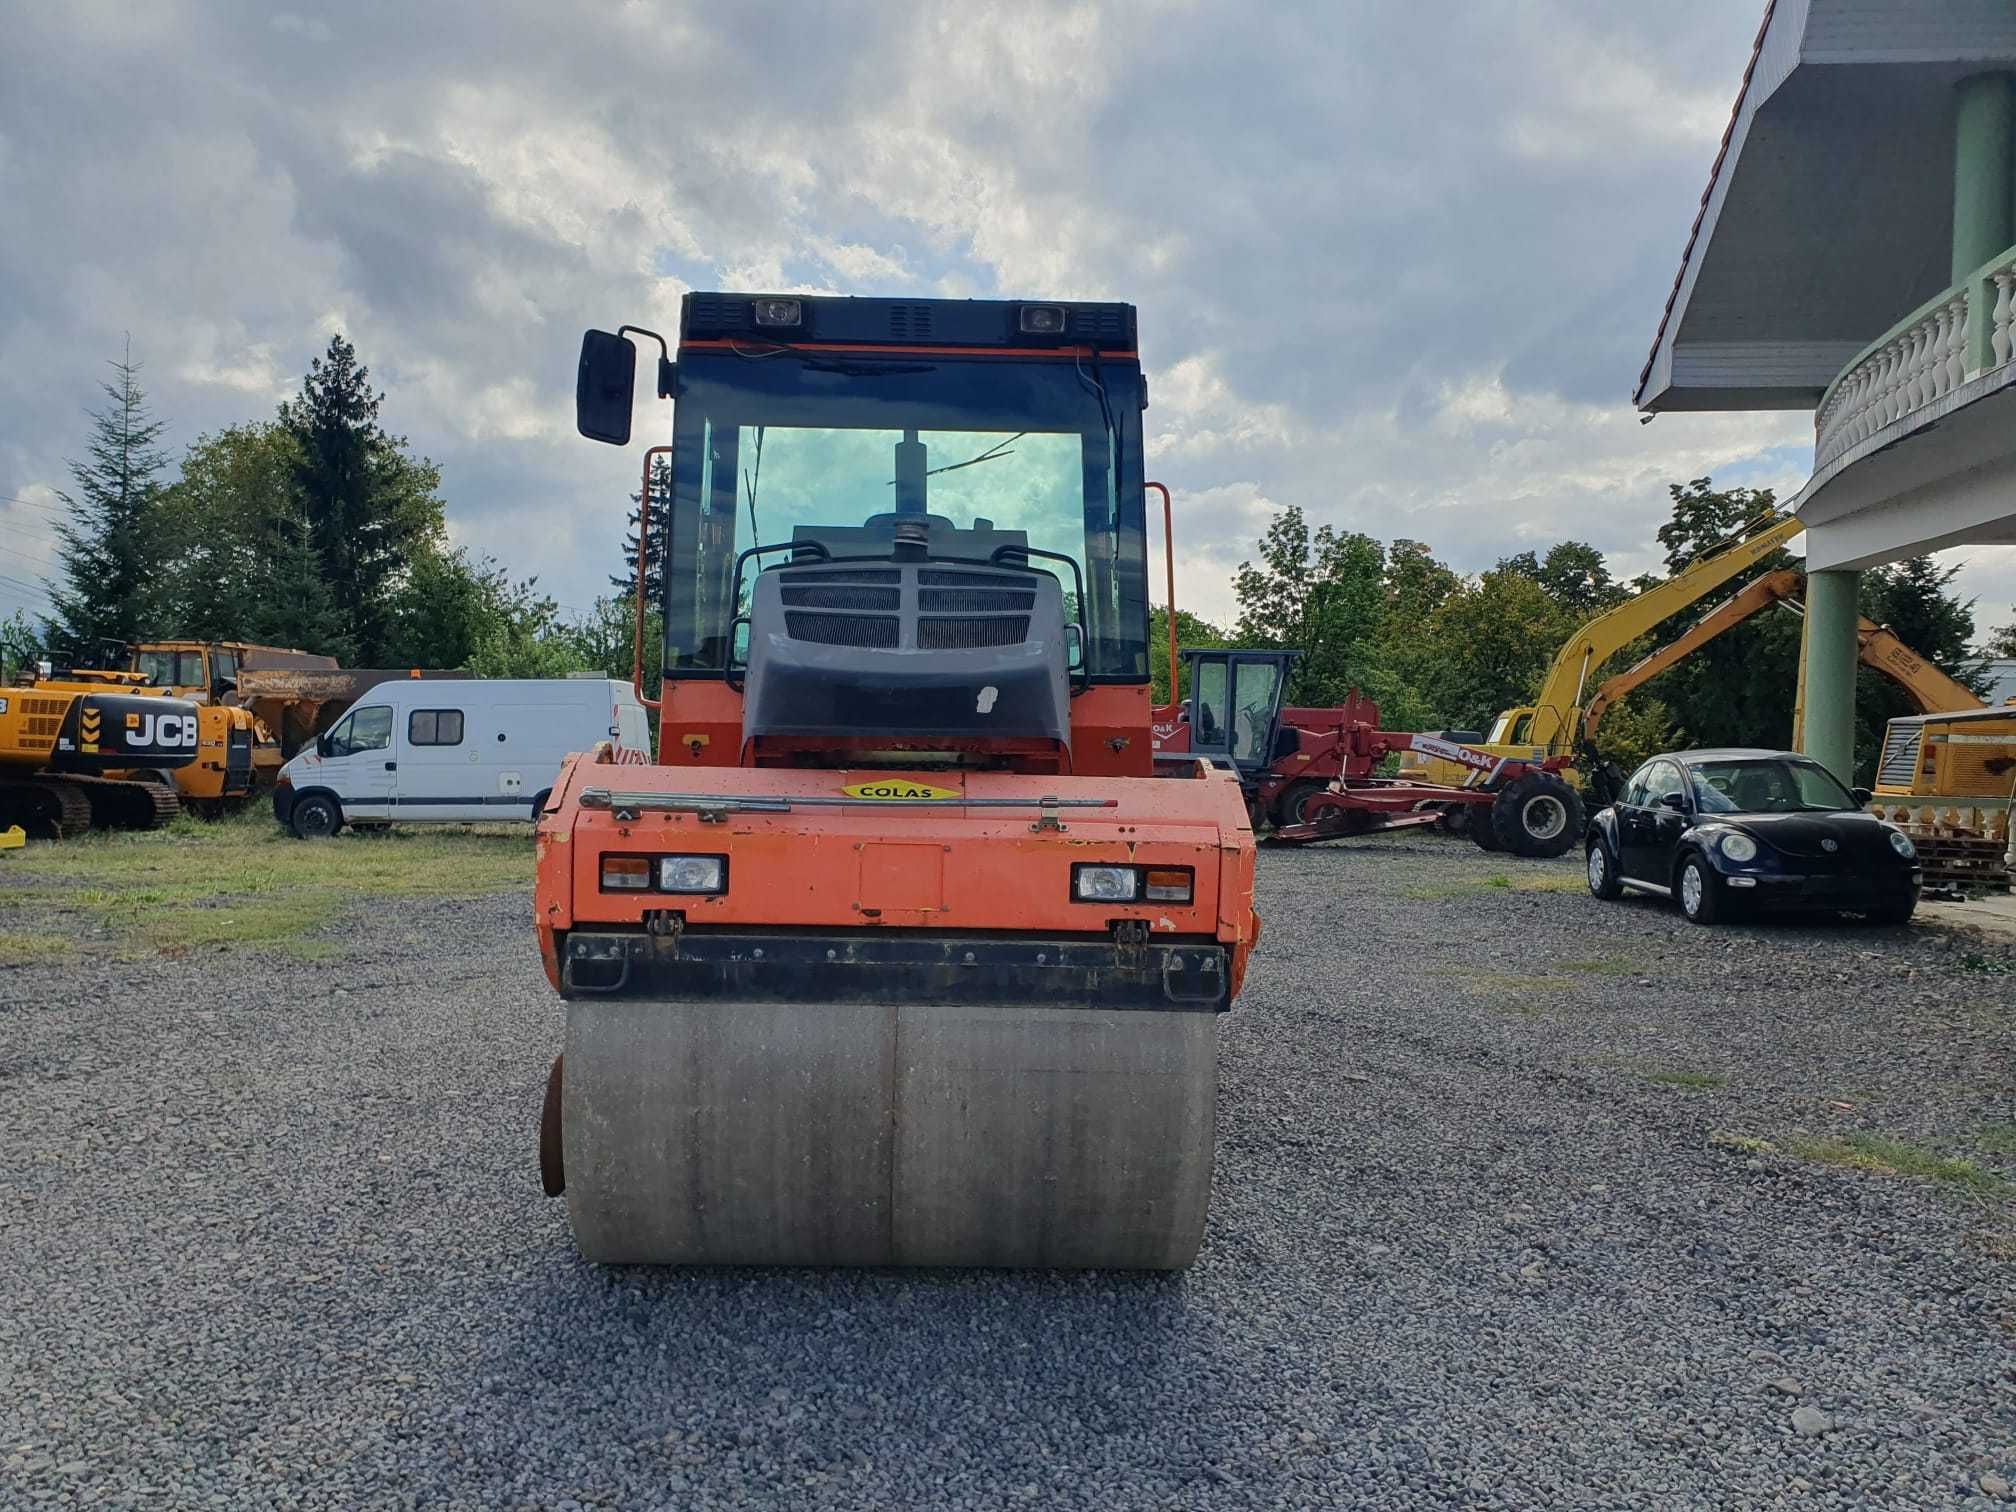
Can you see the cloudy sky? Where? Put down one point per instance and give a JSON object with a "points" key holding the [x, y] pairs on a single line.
{"points": [[1398, 263]]}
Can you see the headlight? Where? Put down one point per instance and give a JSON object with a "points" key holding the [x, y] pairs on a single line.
{"points": [[1739, 847], [1901, 843], [1105, 884], [693, 874]]}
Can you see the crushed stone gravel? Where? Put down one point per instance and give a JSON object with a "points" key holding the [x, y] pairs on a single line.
{"points": [[1515, 1206]]}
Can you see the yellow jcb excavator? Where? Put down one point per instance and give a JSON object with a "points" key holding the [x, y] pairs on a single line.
{"points": [[67, 743]]}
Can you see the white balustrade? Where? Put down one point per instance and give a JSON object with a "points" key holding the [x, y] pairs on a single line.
{"points": [[1922, 362]]}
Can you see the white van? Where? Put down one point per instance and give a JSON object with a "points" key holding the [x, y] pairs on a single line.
{"points": [[445, 750]]}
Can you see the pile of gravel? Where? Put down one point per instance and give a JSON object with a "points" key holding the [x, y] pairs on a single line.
{"points": [[271, 1235]]}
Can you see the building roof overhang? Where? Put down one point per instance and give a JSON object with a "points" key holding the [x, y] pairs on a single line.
{"points": [[1828, 213]]}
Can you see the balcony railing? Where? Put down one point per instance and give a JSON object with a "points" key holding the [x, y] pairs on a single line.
{"points": [[1951, 339]]}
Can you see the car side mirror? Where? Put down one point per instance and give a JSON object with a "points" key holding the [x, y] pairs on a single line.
{"points": [[605, 388], [1862, 797], [1674, 801], [1074, 647], [322, 747]]}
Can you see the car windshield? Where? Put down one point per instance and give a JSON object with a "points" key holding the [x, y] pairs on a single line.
{"points": [[775, 447], [1768, 785]]}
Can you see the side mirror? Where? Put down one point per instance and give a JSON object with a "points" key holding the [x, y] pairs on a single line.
{"points": [[322, 747], [1862, 797], [1674, 801], [605, 387], [1074, 647], [738, 648]]}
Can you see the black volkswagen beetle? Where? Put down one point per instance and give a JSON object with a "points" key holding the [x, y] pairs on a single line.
{"points": [[1727, 830]]}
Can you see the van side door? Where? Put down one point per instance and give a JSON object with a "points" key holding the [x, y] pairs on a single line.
{"points": [[438, 776]]}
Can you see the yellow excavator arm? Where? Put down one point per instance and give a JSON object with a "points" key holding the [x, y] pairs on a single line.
{"points": [[1932, 690], [1554, 718]]}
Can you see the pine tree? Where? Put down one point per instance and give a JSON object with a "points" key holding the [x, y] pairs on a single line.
{"points": [[368, 506], [661, 514], [107, 544]]}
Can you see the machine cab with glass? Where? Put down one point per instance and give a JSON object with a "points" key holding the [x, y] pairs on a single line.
{"points": [[906, 532], [1234, 708]]}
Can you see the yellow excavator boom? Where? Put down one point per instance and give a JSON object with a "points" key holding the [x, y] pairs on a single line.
{"points": [[1928, 687], [1554, 718]]}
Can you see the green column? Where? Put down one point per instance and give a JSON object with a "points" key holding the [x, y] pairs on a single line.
{"points": [[1984, 170], [1828, 654]]}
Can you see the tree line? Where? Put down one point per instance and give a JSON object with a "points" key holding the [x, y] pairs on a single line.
{"points": [[315, 528], [318, 528]]}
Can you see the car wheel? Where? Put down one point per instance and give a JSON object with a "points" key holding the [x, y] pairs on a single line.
{"points": [[1603, 880], [1699, 898], [1536, 815], [315, 817]]}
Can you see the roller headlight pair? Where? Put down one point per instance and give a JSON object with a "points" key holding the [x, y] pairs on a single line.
{"points": [[671, 874], [1132, 884]]}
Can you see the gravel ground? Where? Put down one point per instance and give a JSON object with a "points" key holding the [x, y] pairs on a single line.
{"points": [[271, 1235]]}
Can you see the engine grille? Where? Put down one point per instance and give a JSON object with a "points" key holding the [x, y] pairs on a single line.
{"points": [[868, 630], [842, 596], [1899, 766], [972, 634]]}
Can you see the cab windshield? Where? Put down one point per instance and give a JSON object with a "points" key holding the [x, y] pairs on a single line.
{"points": [[783, 446], [170, 669], [1768, 786]]}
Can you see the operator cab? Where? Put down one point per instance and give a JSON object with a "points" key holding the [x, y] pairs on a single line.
{"points": [[905, 528], [1234, 708]]}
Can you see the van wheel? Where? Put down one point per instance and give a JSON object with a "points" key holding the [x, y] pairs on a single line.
{"points": [[316, 817]]}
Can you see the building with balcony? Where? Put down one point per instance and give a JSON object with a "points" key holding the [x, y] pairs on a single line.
{"points": [[1855, 256]]}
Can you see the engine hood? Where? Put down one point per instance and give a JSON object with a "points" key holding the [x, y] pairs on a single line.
{"points": [[1855, 835]]}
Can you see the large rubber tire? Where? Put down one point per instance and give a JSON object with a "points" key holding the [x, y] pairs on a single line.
{"points": [[1699, 891], [1603, 879], [1480, 831], [1537, 815], [1290, 802], [315, 817]]}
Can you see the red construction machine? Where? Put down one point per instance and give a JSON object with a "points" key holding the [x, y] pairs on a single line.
{"points": [[1315, 774], [907, 950]]}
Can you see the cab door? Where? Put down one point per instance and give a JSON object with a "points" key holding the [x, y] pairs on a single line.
{"points": [[358, 763], [1211, 724]]}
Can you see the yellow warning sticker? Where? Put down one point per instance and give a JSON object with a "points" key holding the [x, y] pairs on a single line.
{"points": [[886, 791]]}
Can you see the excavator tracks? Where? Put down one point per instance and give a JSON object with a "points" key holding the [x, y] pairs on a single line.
{"points": [[51, 808], [64, 807]]}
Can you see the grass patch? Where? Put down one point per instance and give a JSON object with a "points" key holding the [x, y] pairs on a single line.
{"points": [[1981, 965], [1748, 1144], [1997, 1139], [1693, 1081], [1884, 1156], [22, 947], [1469, 887], [244, 882]]}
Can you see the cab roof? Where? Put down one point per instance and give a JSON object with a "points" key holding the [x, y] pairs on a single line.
{"points": [[827, 319]]}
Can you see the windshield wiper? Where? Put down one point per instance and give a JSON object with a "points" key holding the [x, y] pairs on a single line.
{"points": [[993, 453]]}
